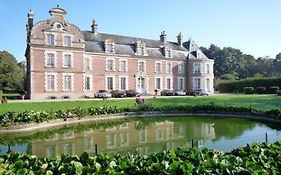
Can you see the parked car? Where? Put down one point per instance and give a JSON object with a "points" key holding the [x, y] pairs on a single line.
{"points": [[198, 92], [167, 93], [103, 94], [179, 93], [131, 93], [118, 94]]}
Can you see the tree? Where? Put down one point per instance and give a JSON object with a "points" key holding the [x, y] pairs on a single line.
{"points": [[12, 75]]}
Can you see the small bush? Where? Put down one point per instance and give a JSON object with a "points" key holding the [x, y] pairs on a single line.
{"points": [[273, 89], [248, 90], [260, 90], [279, 93]]}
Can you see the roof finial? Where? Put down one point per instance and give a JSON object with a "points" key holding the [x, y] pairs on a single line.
{"points": [[94, 27], [163, 37], [58, 5]]}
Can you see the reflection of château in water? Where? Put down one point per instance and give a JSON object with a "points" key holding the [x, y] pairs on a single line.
{"points": [[126, 138]]}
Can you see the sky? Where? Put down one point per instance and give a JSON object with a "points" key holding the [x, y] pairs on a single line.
{"points": [[253, 26]]}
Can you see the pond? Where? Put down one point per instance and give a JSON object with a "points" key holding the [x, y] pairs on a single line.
{"points": [[142, 136]]}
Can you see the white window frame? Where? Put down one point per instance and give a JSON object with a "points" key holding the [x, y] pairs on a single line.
{"points": [[91, 82], [194, 83], [113, 82], [167, 67], [72, 82], [181, 70], [122, 136], [197, 68], [108, 43], [90, 63], [142, 134], [111, 138], [208, 85], [47, 38], [171, 83], [46, 58], [160, 67], [126, 65], [168, 52], [64, 41], [183, 83], [113, 64], [141, 48], [144, 66], [156, 78], [207, 68], [126, 81], [46, 82], [71, 60]]}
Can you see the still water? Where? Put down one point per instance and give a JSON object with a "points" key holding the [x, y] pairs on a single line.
{"points": [[142, 136]]}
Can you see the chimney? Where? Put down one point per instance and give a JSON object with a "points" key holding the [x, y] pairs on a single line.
{"points": [[180, 37], [30, 16], [163, 37], [94, 27]]}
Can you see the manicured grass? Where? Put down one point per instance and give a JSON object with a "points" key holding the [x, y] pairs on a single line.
{"points": [[260, 102]]}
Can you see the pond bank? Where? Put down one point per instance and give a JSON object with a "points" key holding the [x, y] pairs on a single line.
{"points": [[69, 121]]}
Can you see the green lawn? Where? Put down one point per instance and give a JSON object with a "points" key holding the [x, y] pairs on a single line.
{"points": [[261, 102]]}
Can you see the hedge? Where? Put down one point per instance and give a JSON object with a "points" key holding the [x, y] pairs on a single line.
{"points": [[1, 95], [14, 118], [238, 85]]}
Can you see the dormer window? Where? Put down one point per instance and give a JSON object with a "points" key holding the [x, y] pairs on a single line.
{"points": [[140, 48], [67, 41], [167, 52], [51, 39], [198, 54], [109, 46]]}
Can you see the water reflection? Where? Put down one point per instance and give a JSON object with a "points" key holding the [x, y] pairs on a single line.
{"points": [[134, 136]]}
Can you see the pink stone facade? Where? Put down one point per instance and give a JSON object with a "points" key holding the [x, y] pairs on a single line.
{"points": [[65, 62]]}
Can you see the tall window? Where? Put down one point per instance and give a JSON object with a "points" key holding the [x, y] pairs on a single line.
{"points": [[158, 83], [141, 66], [67, 83], [158, 67], [50, 60], [123, 83], [109, 65], [168, 85], [51, 39], [181, 68], [196, 68], [208, 84], [67, 62], [109, 83], [67, 41], [50, 83], [207, 68], [168, 68], [87, 83], [123, 65], [197, 84], [181, 84], [142, 135], [87, 63]]}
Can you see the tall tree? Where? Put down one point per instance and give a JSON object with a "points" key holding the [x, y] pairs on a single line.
{"points": [[11, 74]]}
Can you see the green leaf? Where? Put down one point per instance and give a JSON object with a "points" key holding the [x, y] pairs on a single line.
{"points": [[49, 172], [173, 166], [78, 167], [112, 164], [22, 171]]}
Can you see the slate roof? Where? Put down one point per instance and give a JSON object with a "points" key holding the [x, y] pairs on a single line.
{"points": [[126, 45]]}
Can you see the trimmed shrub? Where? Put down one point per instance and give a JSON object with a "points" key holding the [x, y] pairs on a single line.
{"points": [[248, 90], [273, 89], [260, 90]]}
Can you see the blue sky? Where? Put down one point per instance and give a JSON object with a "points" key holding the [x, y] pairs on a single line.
{"points": [[253, 26]]}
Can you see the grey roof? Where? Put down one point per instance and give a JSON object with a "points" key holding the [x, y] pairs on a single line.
{"points": [[126, 45]]}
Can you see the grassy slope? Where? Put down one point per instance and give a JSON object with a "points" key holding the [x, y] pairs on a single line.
{"points": [[261, 102]]}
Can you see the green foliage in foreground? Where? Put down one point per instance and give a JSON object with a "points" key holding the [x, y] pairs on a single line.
{"points": [[14, 118], [252, 159]]}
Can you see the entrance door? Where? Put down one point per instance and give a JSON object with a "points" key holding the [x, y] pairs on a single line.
{"points": [[141, 85]]}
